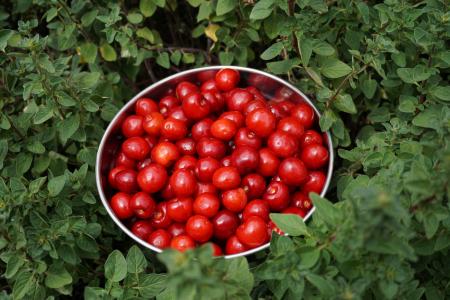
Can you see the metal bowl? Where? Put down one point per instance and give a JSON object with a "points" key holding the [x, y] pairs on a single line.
{"points": [[112, 137]]}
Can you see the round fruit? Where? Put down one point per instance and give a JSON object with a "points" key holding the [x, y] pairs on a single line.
{"points": [[177, 113], [187, 162], [277, 196], [301, 201], [159, 238], [217, 251], [245, 159], [310, 137], [195, 107], [165, 154], [145, 106], [152, 178], [142, 229], [123, 160], [261, 121], [206, 205], [179, 209], [292, 171], [226, 178], [227, 79], [254, 185], [183, 183], [234, 200], [186, 146], [257, 207], [211, 147], [182, 243], [173, 129], [136, 148], [126, 181], [234, 246], [143, 163], [176, 229], [185, 88], [295, 211], [314, 183], [142, 205], [160, 217], [304, 113], [238, 99], [268, 162], [112, 175], [209, 86], [254, 105], [205, 188], [199, 228], [235, 116], [205, 168], [314, 156], [253, 232], [223, 129], [202, 129], [292, 126], [132, 126], [246, 137], [120, 204], [225, 223], [282, 144], [226, 161]]}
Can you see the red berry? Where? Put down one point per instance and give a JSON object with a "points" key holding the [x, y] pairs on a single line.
{"points": [[301, 201], [176, 229], [180, 209], [186, 146], [314, 156], [254, 105], [136, 148], [143, 163], [211, 147], [261, 121], [173, 129], [223, 129], [142, 229], [238, 99], [177, 113], [215, 99], [201, 129], [304, 113], [160, 217], [206, 205], [253, 232], [142, 205], [234, 200], [245, 159], [182, 243], [126, 181], [226, 178], [165, 154], [187, 162], [225, 223], [292, 171], [206, 75], [205, 168], [167, 103], [195, 107], [282, 144], [272, 227], [185, 88], [183, 183], [257, 207], [132, 126], [205, 188], [286, 106], [295, 211], [268, 162], [234, 246], [123, 160], [246, 137], [277, 196], [152, 178], [227, 79], [277, 110], [167, 192], [235, 116], [120, 204], [254, 185], [226, 161], [310, 137], [292, 126], [159, 238], [145, 106], [256, 93], [209, 86], [217, 251], [314, 183], [112, 175], [199, 228]]}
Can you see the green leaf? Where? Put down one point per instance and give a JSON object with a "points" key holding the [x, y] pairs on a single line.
{"points": [[225, 6], [5, 34], [136, 261], [305, 46], [57, 277], [369, 87], [135, 18], [150, 285], [261, 10], [44, 114], [55, 185], [282, 66], [407, 104], [23, 284], [322, 48], [414, 75], [441, 92], [3, 151], [146, 34], [160, 3], [204, 11], [115, 266], [344, 102], [428, 118], [68, 127], [226, 58], [325, 288], [147, 7], [89, 52], [36, 147], [334, 68], [325, 209], [108, 53], [273, 51], [87, 80], [290, 224], [327, 120], [88, 18], [163, 60], [14, 263], [309, 257]]}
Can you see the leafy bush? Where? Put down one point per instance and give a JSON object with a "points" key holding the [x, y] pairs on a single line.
{"points": [[379, 72]]}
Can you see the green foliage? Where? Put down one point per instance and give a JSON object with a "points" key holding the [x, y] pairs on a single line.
{"points": [[378, 71]]}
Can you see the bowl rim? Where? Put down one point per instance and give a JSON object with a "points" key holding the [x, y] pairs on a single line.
{"points": [[154, 85]]}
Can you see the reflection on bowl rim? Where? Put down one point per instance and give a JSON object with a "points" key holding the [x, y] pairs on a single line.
{"points": [[146, 91]]}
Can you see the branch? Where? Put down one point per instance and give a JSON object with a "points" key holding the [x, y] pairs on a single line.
{"points": [[150, 70], [342, 84], [291, 9]]}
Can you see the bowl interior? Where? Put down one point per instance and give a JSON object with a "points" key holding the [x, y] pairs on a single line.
{"points": [[271, 86]]}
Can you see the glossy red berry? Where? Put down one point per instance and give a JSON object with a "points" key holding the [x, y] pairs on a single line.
{"points": [[234, 246], [268, 163], [225, 223], [132, 126], [206, 205], [292, 171], [254, 185], [235, 116], [226, 161], [126, 181], [176, 229], [282, 144], [261, 121], [234, 200], [291, 125], [159, 238], [304, 113], [142, 229], [152, 123], [253, 232], [215, 99], [227, 79], [145, 106], [152, 178], [217, 251], [314, 183], [295, 211], [202, 129], [185, 88], [199, 228], [180, 209], [206, 188], [183, 183], [238, 99], [136, 148], [257, 207], [211, 147], [301, 201], [165, 154], [167, 103], [246, 137], [195, 107], [187, 162], [123, 160], [205, 168], [173, 129], [310, 137], [160, 217], [209, 86], [223, 129], [120, 204], [177, 113], [112, 175], [314, 156], [186, 146], [226, 178], [245, 159], [277, 196], [182, 243], [142, 205]]}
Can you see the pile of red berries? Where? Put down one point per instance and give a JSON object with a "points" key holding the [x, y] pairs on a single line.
{"points": [[208, 163]]}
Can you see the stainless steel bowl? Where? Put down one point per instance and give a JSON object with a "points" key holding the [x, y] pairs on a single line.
{"points": [[112, 137]]}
